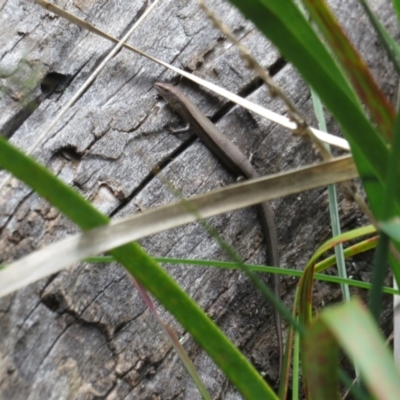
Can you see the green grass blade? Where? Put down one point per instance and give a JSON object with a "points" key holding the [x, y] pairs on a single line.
{"points": [[333, 202], [148, 273], [396, 5], [259, 268], [387, 211], [296, 369], [275, 18], [392, 48], [379, 271], [350, 251]]}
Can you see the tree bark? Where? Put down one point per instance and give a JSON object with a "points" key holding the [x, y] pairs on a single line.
{"points": [[85, 333]]}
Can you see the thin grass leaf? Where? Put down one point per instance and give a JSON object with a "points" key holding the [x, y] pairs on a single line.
{"points": [[350, 251], [291, 352], [388, 210], [259, 268], [396, 5], [344, 237], [296, 369], [379, 270], [333, 202], [392, 48], [179, 349], [274, 270], [305, 284]]}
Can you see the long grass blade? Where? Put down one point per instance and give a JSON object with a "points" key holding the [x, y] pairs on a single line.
{"points": [[145, 270]]}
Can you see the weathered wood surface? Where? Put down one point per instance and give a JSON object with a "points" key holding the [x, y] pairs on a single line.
{"points": [[85, 332]]}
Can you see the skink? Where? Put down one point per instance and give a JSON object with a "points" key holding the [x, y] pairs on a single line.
{"points": [[236, 162]]}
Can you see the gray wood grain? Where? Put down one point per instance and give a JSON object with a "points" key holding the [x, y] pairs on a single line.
{"points": [[85, 333]]}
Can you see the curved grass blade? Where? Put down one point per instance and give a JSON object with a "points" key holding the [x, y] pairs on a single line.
{"points": [[305, 284], [344, 237], [350, 251]]}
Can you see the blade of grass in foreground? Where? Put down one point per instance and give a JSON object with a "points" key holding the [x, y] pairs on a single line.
{"points": [[352, 327], [148, 273]]}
